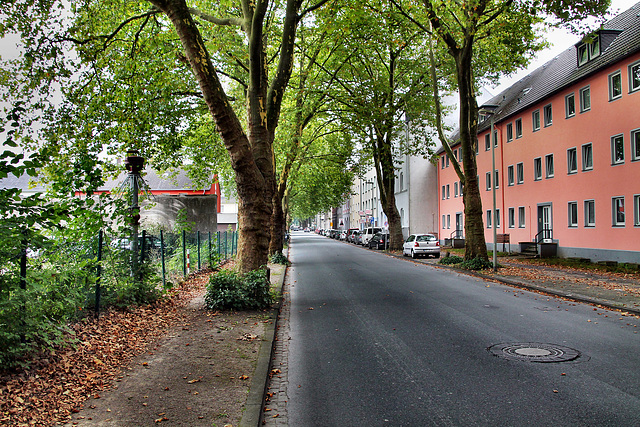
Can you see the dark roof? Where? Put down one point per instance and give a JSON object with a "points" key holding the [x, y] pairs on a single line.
{"points": [[622, 35], [563, 71]]}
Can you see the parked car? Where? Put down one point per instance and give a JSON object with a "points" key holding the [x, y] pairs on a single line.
{"points": [[368, 233], [350, 234], [343, 235], [421, 244], [357, 237], [379, 240]]}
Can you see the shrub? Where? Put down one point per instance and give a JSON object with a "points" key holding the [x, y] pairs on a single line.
{"points": [[451, 260], [476, 264], [279, 258], [229, 290]]}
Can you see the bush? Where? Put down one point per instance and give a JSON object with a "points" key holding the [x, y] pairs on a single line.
{"points": [[229, 290], [476, 264], [279, 258], [451, 260]]}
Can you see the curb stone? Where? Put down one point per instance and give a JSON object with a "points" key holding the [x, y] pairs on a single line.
{"points": [[253, 407]]}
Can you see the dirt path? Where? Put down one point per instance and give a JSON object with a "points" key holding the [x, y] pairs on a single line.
{"points": [[197, 375]]}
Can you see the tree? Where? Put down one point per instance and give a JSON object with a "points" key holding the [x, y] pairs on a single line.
{"points": [[382, 83], [492, 37], [115, 45]]}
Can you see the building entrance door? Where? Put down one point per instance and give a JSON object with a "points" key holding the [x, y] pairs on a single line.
{"points": [[545, 222]]}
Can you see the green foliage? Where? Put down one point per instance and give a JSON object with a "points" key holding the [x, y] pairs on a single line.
{"points": [[476, 264], [451, 260], [230, 290], [279, 258]]}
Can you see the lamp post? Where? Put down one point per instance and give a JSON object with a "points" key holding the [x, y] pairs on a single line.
{"points": [[489, 110]]}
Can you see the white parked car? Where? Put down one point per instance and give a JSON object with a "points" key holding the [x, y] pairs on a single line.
{"points": [[421, 244], [367, 234]]}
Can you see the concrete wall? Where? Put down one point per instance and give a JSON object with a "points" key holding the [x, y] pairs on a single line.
{"points": [[200, 210]]}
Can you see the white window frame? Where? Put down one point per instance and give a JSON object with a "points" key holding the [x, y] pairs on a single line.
{"points": [[522, 223], [615, 85], [487, 178], [496, 178], [535, 120], [455, 189], [448, 192], [497, 219], [572, 214], [518, 128], [572, 169], [635, 145], [444, 192], [567, 111], [634, 84], [585, 106], [537, 169], [616, 219], [589, 210], [512, 217], [617, 140], [636, 210], [511, 180], [509, 132], [547, 113], [549, 168], [489, 218], [585, 165], [520, 173]]}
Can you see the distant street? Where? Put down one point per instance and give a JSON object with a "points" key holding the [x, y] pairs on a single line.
{"points": [[380, 341]]}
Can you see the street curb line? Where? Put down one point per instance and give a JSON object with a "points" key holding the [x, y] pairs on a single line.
{"points": [[252, 415]]}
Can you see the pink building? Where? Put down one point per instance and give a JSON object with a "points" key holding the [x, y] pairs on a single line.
{"points": [[567, 153]]}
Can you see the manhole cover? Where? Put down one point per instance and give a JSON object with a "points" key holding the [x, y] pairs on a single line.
{"points": [[534, 352]]}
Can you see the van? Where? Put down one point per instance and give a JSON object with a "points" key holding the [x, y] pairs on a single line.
{"points": [[367, 234]]}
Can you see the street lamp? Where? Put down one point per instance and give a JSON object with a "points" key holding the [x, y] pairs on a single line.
{"points": [[489, 110]]}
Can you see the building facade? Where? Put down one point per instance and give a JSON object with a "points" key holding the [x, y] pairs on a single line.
{"points": [[566, 143]]}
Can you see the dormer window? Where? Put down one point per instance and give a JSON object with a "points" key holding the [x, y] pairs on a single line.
{"points": [[588, 49]]}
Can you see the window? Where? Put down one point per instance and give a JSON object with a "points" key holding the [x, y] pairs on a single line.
{"points": [[615, 85], [444, 223], [634, 77], [548, 163], [495, 138], [521, 222], [572, 160], [448, 194], [585, 99], [548, 115], [636, 210], [589, 50], [447, 158], [635, 145], [461, 189], [497, 218], [401, 181], [496, 180], [443, 162], [518, 128], [535, 119], [587, 157], [520, 173], [589, 213], [617, 149], [512, 217], [617, 204], [510, 176], [487, 142], [509, 132], [570, 105], [488, 180], [455, 189], [572, 214], [489, 218], [448, 221], [537, 169], [444, 192]]}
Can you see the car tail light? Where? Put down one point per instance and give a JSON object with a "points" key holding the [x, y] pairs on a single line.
{"points": [[416, 245], [438, 243]]}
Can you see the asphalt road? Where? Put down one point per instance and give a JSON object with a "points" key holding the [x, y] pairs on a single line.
{"points": [[379, 341]]}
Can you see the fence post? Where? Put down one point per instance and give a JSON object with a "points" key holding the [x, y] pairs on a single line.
{"points": [[226, 244], [210, 266], [143, 246], [218, 236], [98, 274], [184, 253], [233, 243], [198, 238], [164, 276]]}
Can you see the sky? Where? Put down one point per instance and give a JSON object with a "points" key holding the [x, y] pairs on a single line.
{"points": [[560, 40]]}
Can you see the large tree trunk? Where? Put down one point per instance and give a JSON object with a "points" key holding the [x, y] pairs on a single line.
{"points": [[475, 245], [385, 172], [253, 209]]}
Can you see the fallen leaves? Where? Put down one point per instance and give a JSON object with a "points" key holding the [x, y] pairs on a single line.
{"points": [[59, 381]]}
